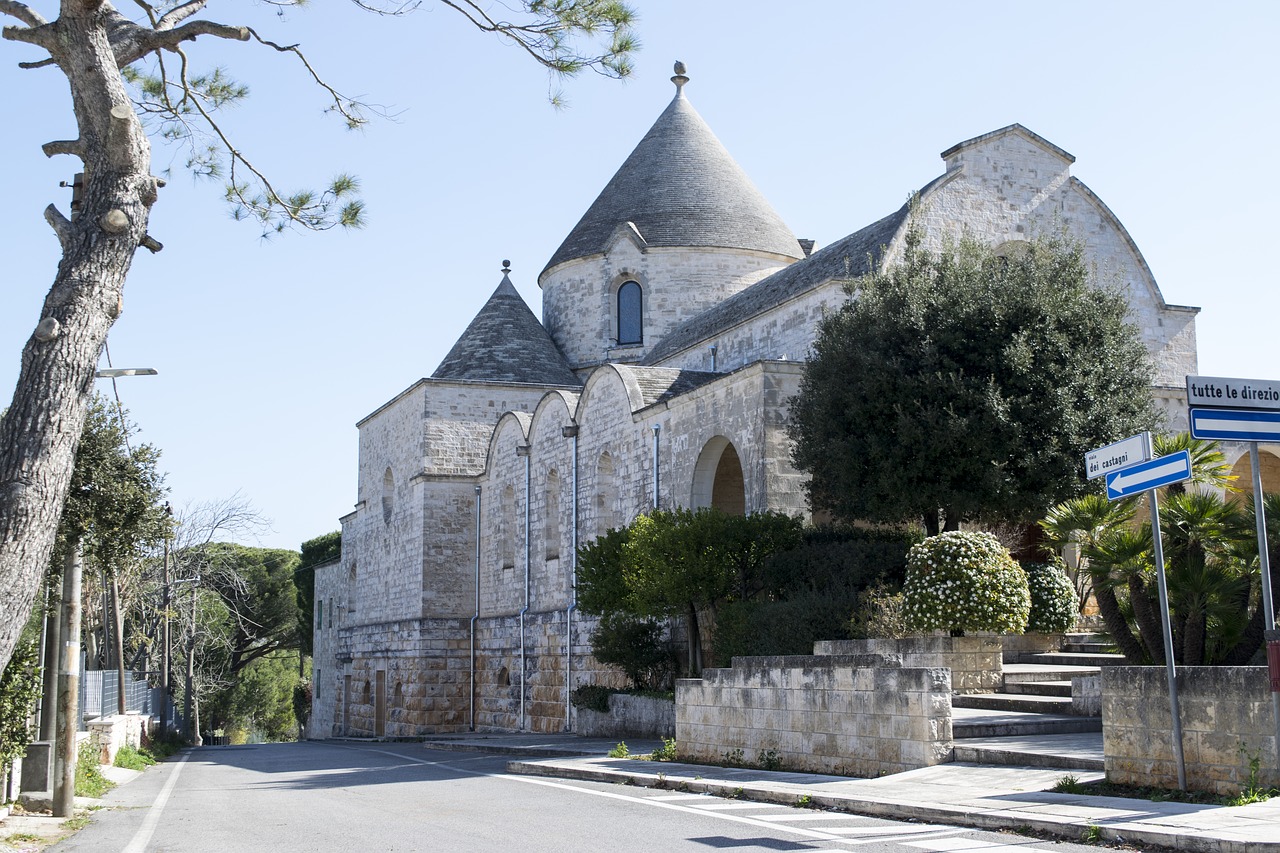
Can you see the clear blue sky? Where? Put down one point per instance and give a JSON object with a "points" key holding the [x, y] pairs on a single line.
{"points": [[270, 352]]}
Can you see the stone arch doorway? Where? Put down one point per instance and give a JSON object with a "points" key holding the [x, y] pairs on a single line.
{"points": [[1268, 462], [717, 478]]}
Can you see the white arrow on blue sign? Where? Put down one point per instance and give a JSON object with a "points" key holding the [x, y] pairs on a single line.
{"points": [[1160, 471], [1235, 424]]}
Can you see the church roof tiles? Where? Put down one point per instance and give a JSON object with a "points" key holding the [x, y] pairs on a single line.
{"points": [[680, 187], [846, 258], [506, 343]]}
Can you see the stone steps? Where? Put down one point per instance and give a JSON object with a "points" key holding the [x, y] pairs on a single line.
{"points": [[1027, 703], [1078, 751], [1076, 659], [1039, 688], [982, 723]]}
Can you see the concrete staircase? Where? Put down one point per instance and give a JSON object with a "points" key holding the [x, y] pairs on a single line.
{"points": [[1031, 721]]}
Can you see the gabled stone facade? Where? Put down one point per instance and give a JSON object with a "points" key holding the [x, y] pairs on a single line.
{"points": [[454, 595]]}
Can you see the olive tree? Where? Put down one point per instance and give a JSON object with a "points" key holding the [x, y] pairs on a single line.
{"points": [[128, 77]]}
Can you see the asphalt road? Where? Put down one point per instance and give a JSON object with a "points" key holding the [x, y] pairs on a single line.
{"points": [[401, 797]]}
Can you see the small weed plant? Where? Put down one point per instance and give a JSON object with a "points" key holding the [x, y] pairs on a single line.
{"points": [[89, 779], [734, 758], [1069, 784], [1253, 792], [804, 801], [1091, 835], [768, 760], [620, 751], [666, 752]]}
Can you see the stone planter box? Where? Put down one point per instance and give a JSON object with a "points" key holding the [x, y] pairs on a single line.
{"points": [[629, 716], [976, 662]]}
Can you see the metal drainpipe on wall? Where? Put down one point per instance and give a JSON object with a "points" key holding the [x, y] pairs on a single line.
{"points": [[571, 432], [523, 450], [657, 429], [475, 616]]}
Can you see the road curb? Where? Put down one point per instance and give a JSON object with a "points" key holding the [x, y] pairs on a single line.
{"points": [[1059, 826]]}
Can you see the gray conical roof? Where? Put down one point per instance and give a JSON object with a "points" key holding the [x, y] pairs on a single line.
{"points": [[506, 343], [680, 187]]}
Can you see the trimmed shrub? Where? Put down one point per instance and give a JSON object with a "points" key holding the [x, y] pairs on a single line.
{"points": [[960, 581], [1053, 598], [638, 647]]}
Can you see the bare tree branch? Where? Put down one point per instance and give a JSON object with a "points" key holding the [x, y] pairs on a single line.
{"points": [[22, 12]]}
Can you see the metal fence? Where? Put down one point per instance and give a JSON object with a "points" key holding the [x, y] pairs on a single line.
{"points": [[100, 691]]}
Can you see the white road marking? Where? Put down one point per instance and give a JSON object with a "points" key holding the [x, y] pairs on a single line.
{"points": [[763, 822], [141, 838], [948, 845], [801, 816]]}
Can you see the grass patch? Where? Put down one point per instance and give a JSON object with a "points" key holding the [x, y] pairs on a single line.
{"points": [[1104, 788], [131, 758]]}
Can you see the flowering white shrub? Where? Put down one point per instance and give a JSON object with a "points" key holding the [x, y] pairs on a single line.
{"points": [[961, 581], [1053, 598]]}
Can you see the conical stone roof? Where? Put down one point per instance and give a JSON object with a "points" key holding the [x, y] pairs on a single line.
{"points": [[506, 343], [680, 187]]}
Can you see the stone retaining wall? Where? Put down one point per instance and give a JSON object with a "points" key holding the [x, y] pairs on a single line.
{"points": [[855, 715], [976, 663], [628, 716], [1226, 719]]}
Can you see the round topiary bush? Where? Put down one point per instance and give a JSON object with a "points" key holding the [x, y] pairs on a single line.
{"points": [[960, 581], [1054, 607]]}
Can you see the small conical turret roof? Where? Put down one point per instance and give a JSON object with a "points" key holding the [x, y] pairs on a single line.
{"points": [[680, 187], [506, 343]]}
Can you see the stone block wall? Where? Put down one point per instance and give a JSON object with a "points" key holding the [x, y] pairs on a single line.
{"points": [[1226, 719], [628, 716], [579, 296], [855, 715], [976, 663]]}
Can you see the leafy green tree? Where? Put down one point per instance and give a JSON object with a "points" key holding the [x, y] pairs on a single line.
{"points": [[315, 552], [256, 589], [19, 692], [682, 563], [966, 385], [259, 701], [115, 513], [126, 85]]}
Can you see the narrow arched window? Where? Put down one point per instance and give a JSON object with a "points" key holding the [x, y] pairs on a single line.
{"points": [[630, 304]]}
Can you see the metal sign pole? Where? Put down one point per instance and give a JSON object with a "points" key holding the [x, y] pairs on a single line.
{"points": [[1168, 640], [1264, 561]]}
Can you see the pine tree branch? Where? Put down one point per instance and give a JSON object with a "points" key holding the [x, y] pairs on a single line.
{"points": [[22, 12]]}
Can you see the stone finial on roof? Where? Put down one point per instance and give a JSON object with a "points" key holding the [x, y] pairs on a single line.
{"points": [[680, 79], [506, 267]]}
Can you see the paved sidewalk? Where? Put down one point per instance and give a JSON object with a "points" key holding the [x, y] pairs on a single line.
{"points": [[974, 795]]}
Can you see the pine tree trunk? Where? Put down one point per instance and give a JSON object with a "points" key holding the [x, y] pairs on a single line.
{"points": [[40, 432]]}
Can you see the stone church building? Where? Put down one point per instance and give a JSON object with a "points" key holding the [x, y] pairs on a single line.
{"points": [[676, 318]]}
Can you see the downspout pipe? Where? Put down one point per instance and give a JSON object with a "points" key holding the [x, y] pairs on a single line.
{"points": [[476, 615], [571, 432], [657, 430], [523, 450]]}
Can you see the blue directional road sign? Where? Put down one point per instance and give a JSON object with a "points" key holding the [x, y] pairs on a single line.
{"points": [[1160, 471], [1235, 424]]}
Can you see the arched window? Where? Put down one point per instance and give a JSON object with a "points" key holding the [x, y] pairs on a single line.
{"points": [[551, 516], [630, 305]]}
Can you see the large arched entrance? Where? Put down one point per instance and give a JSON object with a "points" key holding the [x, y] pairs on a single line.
{"points": [[1268, 462], [717, 478]]}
